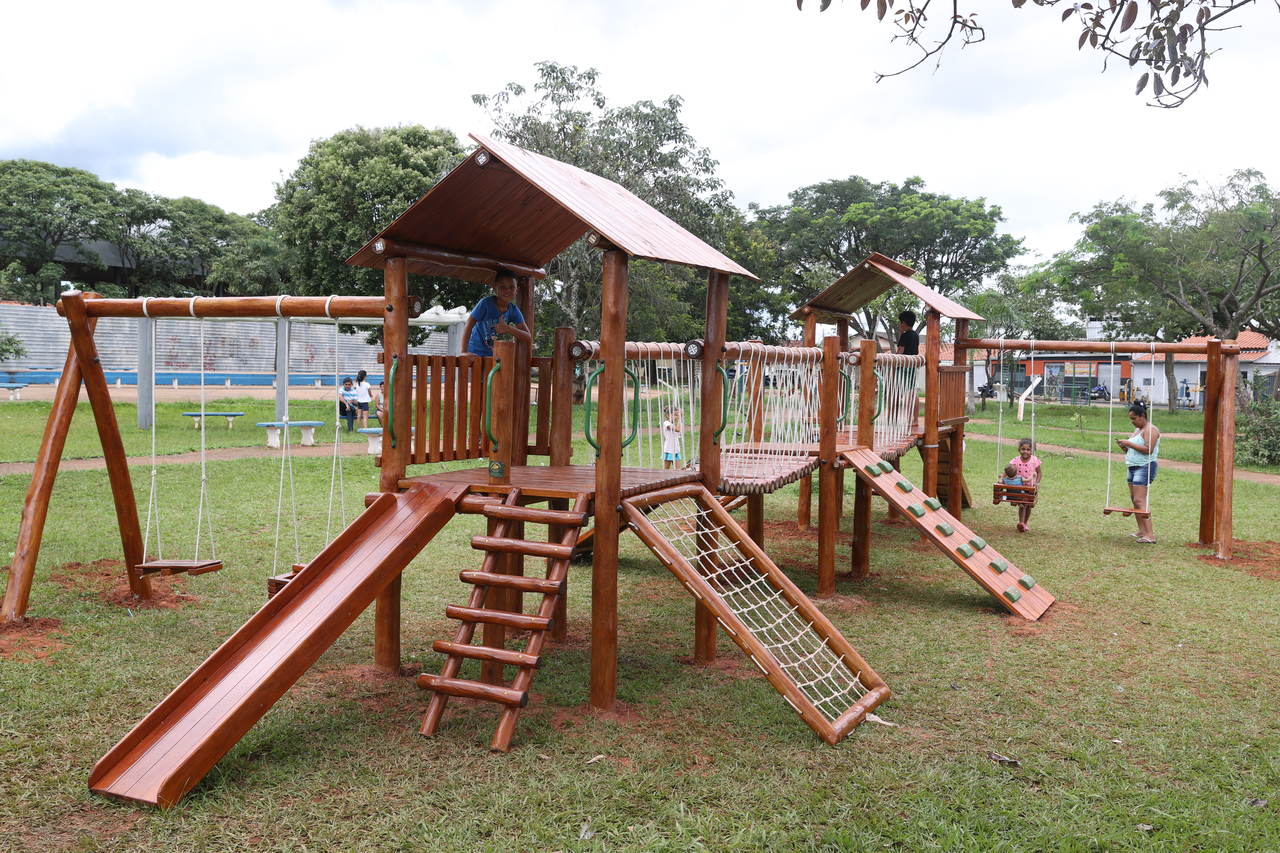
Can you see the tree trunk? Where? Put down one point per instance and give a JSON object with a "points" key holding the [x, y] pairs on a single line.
{"points": [[1171, 381]]}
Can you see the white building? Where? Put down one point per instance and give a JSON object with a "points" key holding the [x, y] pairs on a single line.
{"points": [[1259, 370]]}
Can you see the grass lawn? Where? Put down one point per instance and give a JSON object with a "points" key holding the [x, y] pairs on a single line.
{"points": [[1140, 711]]}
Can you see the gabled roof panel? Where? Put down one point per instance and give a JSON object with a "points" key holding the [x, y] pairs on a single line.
{"points": [[869, 279]]}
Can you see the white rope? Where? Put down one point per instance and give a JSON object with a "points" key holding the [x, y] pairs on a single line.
{"points": [[1151, 448], [1032, 377], [191, 309], [280, 299], [204, 511], [153, 496], [336, 467], [1008, 397], [1111, 373]]}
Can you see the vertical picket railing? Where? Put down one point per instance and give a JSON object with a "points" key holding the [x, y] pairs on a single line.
{"points": [[448, 408], [951, 390]]}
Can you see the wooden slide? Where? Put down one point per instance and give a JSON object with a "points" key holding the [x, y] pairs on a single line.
{"points": [[1016, 590], [803, 655], [175, 745]]}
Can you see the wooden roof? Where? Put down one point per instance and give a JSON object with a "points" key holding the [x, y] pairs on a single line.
{"points": [[869, 279], [504, 203]]}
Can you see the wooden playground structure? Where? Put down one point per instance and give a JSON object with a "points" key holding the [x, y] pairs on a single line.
{"points": [[757, 418]]}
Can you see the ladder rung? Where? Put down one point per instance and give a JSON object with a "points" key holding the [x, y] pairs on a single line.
{"points": [[522, 546], [474, 690], [498, 617], [506, 656], [520, 582], [537, 516], [477, 503]]}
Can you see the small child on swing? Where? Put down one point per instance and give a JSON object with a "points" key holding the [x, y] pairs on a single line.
{"points": [[1011, 477], [1026, 468]]}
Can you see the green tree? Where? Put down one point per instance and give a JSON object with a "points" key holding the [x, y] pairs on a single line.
{"points": [[44, 207], [827, 228], [348, 188], [11, 347], [132, 222], [1173, 39], [646, 148]]}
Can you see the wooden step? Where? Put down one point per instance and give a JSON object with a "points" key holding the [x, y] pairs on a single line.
{"points": [[522, 546], [520, 582], [536, 516], [506, 656], [477, 503], [474, 690], [498, 617], [178, 567]]}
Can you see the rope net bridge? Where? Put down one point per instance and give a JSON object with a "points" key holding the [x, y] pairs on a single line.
{"points": [[897, 401], [800, 652]]}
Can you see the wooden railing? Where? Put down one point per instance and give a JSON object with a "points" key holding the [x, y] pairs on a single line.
{"points": [[952, 379]]}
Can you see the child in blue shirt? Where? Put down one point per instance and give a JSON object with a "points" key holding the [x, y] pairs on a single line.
{"points": [[495, 315], [1011, 477]]}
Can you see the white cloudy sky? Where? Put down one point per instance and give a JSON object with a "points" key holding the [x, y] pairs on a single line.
{"points": [[219, 100]]}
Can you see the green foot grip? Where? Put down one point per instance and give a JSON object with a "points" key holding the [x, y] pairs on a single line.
{"points": [[999, 566], [944, 528], [885, 467], [916, 510], [1012, 594], [978, 543], [933, 503], [965, 550], [872, 470], [1027, 581], [905, 486]]}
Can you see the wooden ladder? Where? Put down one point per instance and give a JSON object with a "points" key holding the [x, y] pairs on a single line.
{"points": [[491, 590]]}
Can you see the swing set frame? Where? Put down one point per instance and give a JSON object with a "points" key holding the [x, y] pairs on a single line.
{"points": [[1217, 469]]}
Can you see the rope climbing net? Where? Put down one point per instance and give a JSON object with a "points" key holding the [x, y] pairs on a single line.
{"points": [[820, 673], [897, 401]]}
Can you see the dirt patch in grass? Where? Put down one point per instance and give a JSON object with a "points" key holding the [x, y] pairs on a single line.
{"points": [[107, 580], [30, 639], [78, 826], [842, 604], [1055, 618], [372, 687], [1260, 559], [728, 662]]}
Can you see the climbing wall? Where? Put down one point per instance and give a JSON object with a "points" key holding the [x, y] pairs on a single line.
{"points": [[1016, 590]]}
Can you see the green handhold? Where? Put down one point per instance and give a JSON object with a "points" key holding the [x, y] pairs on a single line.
{"points": [[1027, 581], [978, 543], [944, 528], [885, 467], [916, 510], [965, 551], [872, 470], [999, 566], [905, 486], [933, 503], [1012, 594]]}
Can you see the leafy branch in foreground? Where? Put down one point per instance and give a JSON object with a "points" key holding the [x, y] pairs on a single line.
{"points": [[1172, 40]]}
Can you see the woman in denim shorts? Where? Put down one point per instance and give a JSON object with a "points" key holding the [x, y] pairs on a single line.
{"points": [[1141, 451]]}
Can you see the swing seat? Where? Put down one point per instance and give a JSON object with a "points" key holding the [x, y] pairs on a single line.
{"points": [[178, 567], [1019, 495], [1127, 510]]}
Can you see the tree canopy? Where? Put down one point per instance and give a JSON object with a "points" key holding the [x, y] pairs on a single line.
{"points": [[953, 243], [647, 148], [1171, 40]]}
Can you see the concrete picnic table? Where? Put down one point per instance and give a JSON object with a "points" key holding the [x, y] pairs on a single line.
{"points": [[14, 389], [230, 416], [273, 429]]}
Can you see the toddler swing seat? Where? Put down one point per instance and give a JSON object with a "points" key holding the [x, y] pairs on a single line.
{"points": [[1019, 495]]}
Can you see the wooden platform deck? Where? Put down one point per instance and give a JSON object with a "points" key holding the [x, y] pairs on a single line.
{"points": [[563, 481]]}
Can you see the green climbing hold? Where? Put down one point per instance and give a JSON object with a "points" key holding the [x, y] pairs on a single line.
{"points": [[965, 551], [917, 510], [999, 566], [872, 470], [944, 528], [885, 467], [933, 503], [905, 486], [978, 543], [1012, 594], [1027, 581]]}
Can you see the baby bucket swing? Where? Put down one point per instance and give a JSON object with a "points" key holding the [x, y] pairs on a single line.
{"points": [[1002, 492]]}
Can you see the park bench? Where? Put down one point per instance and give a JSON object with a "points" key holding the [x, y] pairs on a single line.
{"points": [[273, 429], [230, 416], [374, 434], [14, 389]]}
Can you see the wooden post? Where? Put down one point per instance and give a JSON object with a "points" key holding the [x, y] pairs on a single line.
{"points": [[861, 556], [756, 392], [561, 449], [95, 384], [804, 509], [955, 476], [604, 567], [1209, 472], [717, 316], [36, 508], [503, 413], [932, 357], [1226, 457], [395, 344], [828, 485]]}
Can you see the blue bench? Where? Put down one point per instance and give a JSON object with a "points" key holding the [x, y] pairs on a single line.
{"points": [[374, 434], [273, 429], [14, 389], [230, 416]]}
